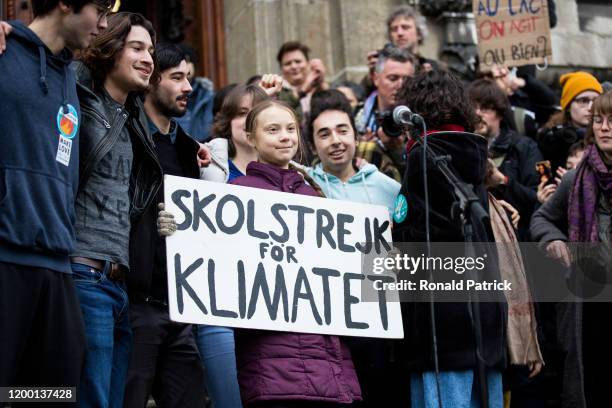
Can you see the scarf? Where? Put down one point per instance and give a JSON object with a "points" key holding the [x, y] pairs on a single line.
{"points": [[592, 178], [522, 338]]}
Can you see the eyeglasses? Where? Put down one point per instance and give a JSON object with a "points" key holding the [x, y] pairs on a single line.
{"points": [[584, 100], [598, 120]]}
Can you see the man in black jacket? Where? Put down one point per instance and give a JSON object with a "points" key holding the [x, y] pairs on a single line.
{"points": [[164, 352], [514, 156]]}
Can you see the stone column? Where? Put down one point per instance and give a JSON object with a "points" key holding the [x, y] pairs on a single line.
{"points": [[573, 46], [340, 32]]}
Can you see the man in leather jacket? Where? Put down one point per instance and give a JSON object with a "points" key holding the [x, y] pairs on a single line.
{"points": [[119, 177]]}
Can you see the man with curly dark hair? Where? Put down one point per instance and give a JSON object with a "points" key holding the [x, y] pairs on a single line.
{"points": [[440, 98]]}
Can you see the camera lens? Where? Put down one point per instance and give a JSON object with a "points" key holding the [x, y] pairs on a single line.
{"points": [[385, 120]]}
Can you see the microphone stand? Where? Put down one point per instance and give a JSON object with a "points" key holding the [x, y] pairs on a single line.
{"points": [[465, 206]]}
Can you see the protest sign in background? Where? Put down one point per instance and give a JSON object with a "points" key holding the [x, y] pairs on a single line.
{"points": [[253, 258], [512, 32]]}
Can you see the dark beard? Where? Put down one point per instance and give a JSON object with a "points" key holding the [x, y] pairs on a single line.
{"points": [[170, 111]]}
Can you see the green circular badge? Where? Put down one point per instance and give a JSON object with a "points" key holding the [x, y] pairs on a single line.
{"points": [[401, 209]]}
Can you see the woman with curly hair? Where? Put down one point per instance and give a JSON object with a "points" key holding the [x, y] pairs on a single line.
{"points": [[440, 98]]}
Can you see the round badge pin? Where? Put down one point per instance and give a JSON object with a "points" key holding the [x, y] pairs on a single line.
{"points": [[68, 122], [401, 209]]}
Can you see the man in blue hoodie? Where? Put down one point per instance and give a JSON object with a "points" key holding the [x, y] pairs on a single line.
{"points": [[41, 328], [332, 134]]}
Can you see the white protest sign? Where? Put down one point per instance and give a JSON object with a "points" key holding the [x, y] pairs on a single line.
{"points": [[260, 259]]}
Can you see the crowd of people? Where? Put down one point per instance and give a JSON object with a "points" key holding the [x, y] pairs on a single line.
{"points": [[95, 112]]}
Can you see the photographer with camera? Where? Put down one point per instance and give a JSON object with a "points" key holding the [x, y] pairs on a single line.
{"points": [[406, 29], [379, 148]]}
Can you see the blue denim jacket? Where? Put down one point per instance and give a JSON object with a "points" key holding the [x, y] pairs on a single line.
{"points": [[198, 119]]}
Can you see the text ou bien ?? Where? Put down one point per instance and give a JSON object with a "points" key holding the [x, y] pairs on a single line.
{"points": [[517, 52], [332, 230], [302, 289]]}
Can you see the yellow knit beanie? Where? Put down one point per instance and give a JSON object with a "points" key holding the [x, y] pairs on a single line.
{"points": [[575, 83]]}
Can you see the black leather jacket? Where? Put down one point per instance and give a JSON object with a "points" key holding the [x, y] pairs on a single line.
{"points": [[100, 129]]}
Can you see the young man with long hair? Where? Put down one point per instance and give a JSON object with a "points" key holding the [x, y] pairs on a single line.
{"points": [[514, 155], [119, 177]]}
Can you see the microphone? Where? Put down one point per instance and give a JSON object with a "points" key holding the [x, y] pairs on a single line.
{"points": [[403, 116]]}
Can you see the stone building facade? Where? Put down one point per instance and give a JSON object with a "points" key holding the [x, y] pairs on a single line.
{"points": [[235, 39], [342, 32]]}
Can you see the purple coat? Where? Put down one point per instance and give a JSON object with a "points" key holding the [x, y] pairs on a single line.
{"points": [[291, 366]]}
